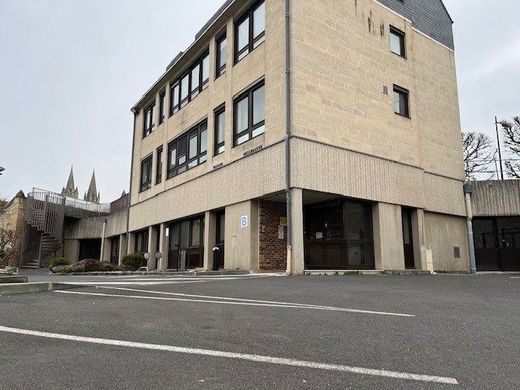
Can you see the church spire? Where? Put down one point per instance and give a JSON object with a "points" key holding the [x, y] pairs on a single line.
{"points": [[70, 190], [92, 194]]}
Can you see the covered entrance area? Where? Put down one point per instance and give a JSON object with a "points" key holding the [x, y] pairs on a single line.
{"points": [[497, 243], [186, 244]]}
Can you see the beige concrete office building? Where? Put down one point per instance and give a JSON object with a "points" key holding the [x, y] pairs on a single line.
{"points": [[348, 107]]}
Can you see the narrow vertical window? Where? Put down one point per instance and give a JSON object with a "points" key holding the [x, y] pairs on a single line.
{"points": [[146, 174], [148, 121], [185, 90], [258, 25], [249, 115], [221, 55], [195, 81], [205, 71], [174, 99], [159, 165], [242, 39], [220, 126], [203, 142], [397, 42], [162, 102], [172, 159], [401, 101]]}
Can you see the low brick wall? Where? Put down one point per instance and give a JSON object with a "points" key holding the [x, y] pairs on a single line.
{"points": [[272, 249]]}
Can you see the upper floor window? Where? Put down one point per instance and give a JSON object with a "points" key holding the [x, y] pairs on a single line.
{"points": [[188, 150], [159, 165], [401, 101], [148, 120], [250, 31], [249, 115], [192, 82], [162, 102], [220, 126], [221, 55], [146, 174], [397, 41]]}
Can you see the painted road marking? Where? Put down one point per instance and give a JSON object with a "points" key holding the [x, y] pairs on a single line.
{"points": [[237, 303], [149, 283], [238, 356], [250, 300]]}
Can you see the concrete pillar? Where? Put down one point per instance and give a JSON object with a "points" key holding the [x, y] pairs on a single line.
{"points": [[130, 243], [419, 239], [296, 256], [152, 247], [163, 247], [107, 250], [241, 236], [122, 248], [210, 233], [388, 237]]}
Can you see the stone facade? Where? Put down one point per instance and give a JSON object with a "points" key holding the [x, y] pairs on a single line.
{"points": [[12, 222], [272, 236]]}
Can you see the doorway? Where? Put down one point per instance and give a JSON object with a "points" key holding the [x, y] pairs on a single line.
{"points": [[186, 244], [497, 243], [409, 260], [219, 239]]}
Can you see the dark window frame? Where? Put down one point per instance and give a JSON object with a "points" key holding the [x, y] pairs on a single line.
{"points": [[220, 69], [162, 103], [253, 42], [145, 186], [182, 151], [402, 92], [192, 93], [148, 126], [402, 40], [251, 126], [221, 110], [159, 165]]}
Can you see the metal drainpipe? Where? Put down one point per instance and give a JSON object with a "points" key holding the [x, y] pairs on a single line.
{"points": [[468, 190], [288, 132], [130, 190], [102, 255]]}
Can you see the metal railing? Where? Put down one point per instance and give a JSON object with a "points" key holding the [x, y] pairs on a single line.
{"points": [[101, 208]]}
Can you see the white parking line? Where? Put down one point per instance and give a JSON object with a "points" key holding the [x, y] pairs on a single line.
{"points": [[237, 303], [137, 283], [238, 356], [248, 300]]}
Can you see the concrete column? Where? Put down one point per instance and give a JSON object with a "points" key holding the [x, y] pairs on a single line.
{"points": [[130, 243], [296, 256], [210, 233], [388, 237], [152, 247], [241, 236], [122, 248], [163, 248], [107, 250], [419, 239]]}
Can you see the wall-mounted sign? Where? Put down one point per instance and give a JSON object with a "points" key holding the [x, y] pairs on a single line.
{"points": [[167, 232], [244, 221]]}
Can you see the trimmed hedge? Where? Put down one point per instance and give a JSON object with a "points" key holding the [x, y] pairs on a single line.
{"points": [[134, 261], [58, 261]]}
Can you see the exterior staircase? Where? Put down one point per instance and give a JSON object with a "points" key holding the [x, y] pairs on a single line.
{"points": [[44, 212]]}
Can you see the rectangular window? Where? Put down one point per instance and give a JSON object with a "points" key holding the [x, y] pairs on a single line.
{"points": [[220, 127], [185, 90], [188, 150], [148, 121], [162, 102], [397, 42], [159, 166], [174, 99], [205, 71], [249, 115], [401, 101], [146, 174], [250, 31], [221, 55], [195, 81]]}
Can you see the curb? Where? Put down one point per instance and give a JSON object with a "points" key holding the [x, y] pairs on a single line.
{"points": [[34, 287], [367, 273], [186, 273], [12, 279]]}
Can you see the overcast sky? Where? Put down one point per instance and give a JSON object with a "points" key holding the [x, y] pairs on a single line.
{"points": [[71, 70]]}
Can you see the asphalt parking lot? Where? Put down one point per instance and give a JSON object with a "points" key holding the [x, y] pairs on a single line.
{"points": [[265, 332]]}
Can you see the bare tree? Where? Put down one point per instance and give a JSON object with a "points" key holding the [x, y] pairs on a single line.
{"points": [[479, 153], [511, 133], [7, 246]]}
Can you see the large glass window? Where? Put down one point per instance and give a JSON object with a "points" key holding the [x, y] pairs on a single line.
{"points": [[397, 41], [250, 31], [220, 127], [146, 174], [221, 55], [249, 115], [401, 101], [148, 120], [188, 150]]}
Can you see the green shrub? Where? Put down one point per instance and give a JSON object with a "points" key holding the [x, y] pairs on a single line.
{"points": [[57, 261], [133, 262]]}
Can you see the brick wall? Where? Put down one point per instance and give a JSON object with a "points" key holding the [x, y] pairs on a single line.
{"points": [[272, 249]]}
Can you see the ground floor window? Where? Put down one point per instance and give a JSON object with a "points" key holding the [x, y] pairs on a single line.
{"points": [[338, 235], [141, 242], [186, 244]]}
